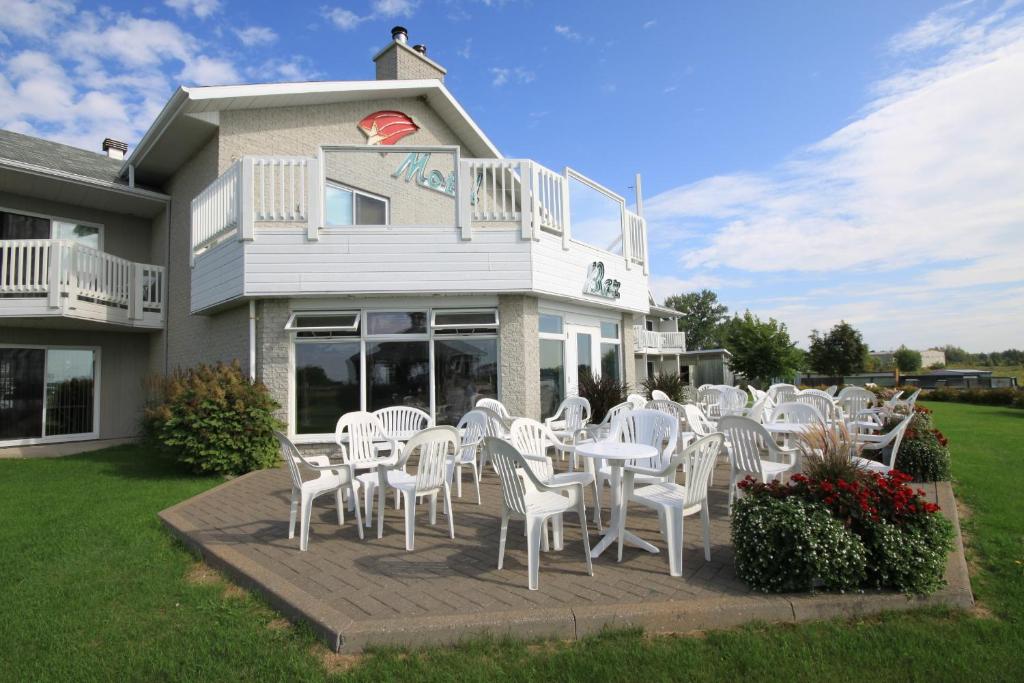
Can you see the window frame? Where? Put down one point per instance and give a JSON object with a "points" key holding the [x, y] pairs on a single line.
{"points": [[455, 311], [328, 182], [291, 326], [101, 241]]}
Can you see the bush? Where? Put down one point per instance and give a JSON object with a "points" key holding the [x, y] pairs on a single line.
{"points": [[604, 393], [213, 419], [1000, 396], [788, 544], [924, 458], [671, 383], [911, 558]]}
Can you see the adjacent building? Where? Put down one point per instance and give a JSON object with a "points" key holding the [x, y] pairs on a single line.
{"points": [[352, 244]]}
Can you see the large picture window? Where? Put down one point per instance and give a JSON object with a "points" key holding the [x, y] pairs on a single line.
{"points": [[398, 374], [47, 392], [326, 384], [465, 370]]}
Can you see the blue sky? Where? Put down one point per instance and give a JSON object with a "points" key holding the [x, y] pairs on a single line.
{"points": [[809, 161]]}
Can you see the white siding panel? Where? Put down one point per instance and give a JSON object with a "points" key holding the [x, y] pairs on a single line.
{"points": [[563, 273], [218, 275]]}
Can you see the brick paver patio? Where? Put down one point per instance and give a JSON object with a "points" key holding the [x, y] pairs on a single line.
{"points": [[356, 593]]}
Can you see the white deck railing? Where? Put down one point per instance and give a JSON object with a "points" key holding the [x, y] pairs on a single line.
{"points": [[283, 190], [70, 276], [652, 341]]}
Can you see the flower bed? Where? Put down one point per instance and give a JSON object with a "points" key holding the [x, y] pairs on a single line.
{"points": [[924, 453], [871, 530]]}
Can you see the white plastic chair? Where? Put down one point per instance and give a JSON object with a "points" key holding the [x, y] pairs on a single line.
{"points": [[831, 391], [497, 426], [524, 496], [689, 395], [435, 446], [824, 403], [473, 428], [701, 426], [497, 406], [659, 395], [569, 423], [760, 410], [733, 401], [782, 393], [361, 437], [599, 431], [398, 419], [676, 410], [330, 479], [672, 501], [531, 438], [748, 441], [709, 398], [880, 444], [797, 413], [854, 403]]}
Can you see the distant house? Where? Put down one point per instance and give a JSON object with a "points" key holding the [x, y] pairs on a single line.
{"points": [[931, 357]]}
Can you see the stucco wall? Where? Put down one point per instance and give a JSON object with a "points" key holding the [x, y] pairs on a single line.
{"points": [[300, 131], [124, 366], [193, 339], [123, 235], [519, 373], [272, 348]]}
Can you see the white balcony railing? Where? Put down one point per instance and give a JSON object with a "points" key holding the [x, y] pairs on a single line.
{"points": [[69, 278], [282, 191], [649, 341]]}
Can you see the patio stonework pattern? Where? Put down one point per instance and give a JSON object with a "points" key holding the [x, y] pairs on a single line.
{"points": [[357, 593]]}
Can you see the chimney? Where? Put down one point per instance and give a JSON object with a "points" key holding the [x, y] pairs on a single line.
{"points": [[115, 149], [398, 61]]}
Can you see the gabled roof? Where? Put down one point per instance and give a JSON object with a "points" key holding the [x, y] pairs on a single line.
{"points": [[53, 156], [190, 116]]}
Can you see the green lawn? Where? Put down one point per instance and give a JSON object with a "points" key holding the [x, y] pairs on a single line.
{"points": [[92, 588]]}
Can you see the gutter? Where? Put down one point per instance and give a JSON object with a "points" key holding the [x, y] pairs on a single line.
{"points": [[12, 165]]}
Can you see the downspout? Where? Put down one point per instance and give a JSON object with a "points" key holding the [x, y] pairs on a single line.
{"points": [[252, 340]]}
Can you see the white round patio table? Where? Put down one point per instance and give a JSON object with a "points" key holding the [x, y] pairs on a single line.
{"points": [[617, 454]]}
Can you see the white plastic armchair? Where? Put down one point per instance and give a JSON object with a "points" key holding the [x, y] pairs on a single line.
{"points": [[399, 419], [733, 401], [533, 440], [782, 393], [497, 426], [638, 400], [709, 398], [569, 423], [330, 479], [824, 403], [886, 445], [672, 501], [524, 496], [689, 395], [473, 428], [797, 413], [497, 406], [831, 391], [434, 446], [760, 410], [855, 405], [600, 431], [659, 395], [361, 437], [748, 441]]}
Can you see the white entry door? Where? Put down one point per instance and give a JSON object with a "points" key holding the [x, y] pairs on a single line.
{"points": [[583, 353]]}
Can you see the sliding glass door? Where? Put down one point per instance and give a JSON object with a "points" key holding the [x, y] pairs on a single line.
{"points": [[46, 392]]}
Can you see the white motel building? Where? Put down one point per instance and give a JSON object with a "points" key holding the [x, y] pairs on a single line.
{"points": [[352, 244]]}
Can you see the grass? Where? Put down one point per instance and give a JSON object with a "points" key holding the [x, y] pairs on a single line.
{"points": [[92, 588]]}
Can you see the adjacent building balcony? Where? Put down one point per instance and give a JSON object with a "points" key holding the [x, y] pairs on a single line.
{"points": [[658, 343], [370, 219], [60, 278]]}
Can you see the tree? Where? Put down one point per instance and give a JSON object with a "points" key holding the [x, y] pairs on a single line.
{"points": [[955, 355], [839, 353], [702, 314], [907, 360], [761, 350]]}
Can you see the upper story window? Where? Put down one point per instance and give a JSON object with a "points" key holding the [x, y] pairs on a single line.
{"points": [[20, 226], [348, 206], [549, 323], [396, 322], [319, 324]]}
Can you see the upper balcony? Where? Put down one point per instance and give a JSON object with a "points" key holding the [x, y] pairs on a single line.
{"points": [[656, 343], [62, 278], [362, 219]]}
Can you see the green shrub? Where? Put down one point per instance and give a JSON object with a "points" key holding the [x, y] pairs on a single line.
{"points": [[788, 544], [214, 419], [924, 458], [1000, 396], [604, 393], [910, 558], [672, 383]]}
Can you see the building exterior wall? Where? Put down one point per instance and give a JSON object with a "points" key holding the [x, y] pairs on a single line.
{"points": [[124, 368], [401, 63], [272, 351], [519, 362], [123, 235], [630, 375], [193, 339]]}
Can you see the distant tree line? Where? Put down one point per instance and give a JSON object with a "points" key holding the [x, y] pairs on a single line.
{"points": [[957, 356]]}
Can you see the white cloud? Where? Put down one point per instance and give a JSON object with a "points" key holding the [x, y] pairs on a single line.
{"points": [[669, 88], [33, 19], [651, 23], [342, 18], [256, 35], [567, 33], [395, 8], [200, 8], [205, 70], [466, 50], [297, 68], [347, 20], [504, 75], [927, 179]]}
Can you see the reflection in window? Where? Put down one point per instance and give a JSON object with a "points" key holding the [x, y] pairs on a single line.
{"points": [[584, 363], [398, 374], [552, 376], [609, 330], [596, 217], [345, 206], [69, 391], [86, 235], [396, 322], [610, 361], [465, 370], [551, 324], [326, 385]]}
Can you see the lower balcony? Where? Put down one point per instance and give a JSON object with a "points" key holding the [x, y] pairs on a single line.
{"points": [[653, 342], [63, 279]]}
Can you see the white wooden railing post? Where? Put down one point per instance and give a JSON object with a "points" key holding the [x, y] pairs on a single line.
{"points": [[647, 255], [627, 237], [566, 213], [464, 191], [135, 296], [71, 268], [245, 200], [535, 204], [55, 265], [528, 219], [313, 201]]}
